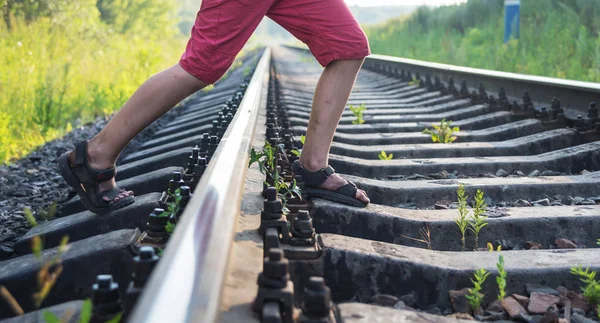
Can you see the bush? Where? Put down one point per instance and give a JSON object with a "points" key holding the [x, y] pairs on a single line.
{"points": [[66, 64], [559, 38]]}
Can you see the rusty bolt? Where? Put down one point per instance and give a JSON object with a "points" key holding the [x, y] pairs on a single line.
{"points": [[317, 298]]}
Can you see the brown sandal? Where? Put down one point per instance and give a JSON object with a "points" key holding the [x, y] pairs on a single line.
{"points": [[84, 179]]}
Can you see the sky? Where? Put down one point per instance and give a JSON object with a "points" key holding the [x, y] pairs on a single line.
{"points": [[368, 3]]}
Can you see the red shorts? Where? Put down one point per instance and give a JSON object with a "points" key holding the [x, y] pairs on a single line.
{"points": [[223, 27]]}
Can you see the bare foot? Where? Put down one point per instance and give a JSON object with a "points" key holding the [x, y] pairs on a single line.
{"points": [[106, 185]]}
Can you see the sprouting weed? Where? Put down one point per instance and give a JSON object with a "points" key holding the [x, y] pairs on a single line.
{"points": [[462, 221], [591, 287], [302, 139], [358, 111], [478, 220], [490, 247], [442, 133], [49, 272], [28, 214], [501, 278], [50, 212], [267, 164], [474, 297], [384, 156], [415, 82]]}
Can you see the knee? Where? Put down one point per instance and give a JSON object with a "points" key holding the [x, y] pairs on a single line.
{"points": [[349, 44]]}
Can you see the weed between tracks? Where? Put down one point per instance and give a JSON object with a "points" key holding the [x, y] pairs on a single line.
{"points": [[442, 133], [475, 296], [267, 164], [358, 111]]}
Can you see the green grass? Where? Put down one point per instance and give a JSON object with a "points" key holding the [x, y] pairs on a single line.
{"points": [[52, 73], [559, 38]]}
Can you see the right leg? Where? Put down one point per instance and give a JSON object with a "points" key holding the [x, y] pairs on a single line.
{"points": [[221, 30]]}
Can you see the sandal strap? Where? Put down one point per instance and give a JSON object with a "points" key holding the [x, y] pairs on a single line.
{"points": [[112, 193], [348, 190], [312, 179], [93, 176]]}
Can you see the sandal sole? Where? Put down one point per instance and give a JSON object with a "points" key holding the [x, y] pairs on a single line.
{"points": [[67, 174], [334, 197]]}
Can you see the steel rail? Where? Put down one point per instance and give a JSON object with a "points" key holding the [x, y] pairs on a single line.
{"points": [[574, 94], [187, 282]]}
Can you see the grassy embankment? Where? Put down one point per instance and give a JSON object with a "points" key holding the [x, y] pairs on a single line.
{"points": [[559, 38]]}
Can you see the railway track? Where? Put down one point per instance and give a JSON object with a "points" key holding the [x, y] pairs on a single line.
{"points": [[534, 155]]}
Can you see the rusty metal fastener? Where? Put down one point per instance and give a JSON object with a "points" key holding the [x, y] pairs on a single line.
{"points": [[316, 305], [106, 299], [592, 111], [275, 286], [302, 229]]}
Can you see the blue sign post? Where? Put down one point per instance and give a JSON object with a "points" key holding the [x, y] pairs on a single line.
{"points": [[511, 19]]}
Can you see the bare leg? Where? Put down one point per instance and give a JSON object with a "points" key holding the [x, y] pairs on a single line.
{"points": [[155, 97], [331, 96]]}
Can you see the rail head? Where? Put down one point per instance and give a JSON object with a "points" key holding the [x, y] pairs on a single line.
{"points": [[187, 282], [575, 96]]}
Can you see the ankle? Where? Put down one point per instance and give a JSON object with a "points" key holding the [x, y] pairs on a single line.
{"points": [[98, 157], [312, 164]]}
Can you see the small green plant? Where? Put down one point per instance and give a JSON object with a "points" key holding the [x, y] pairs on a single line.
{"points": [[462, 221], [490, 247], [267, 161], [384, 156], [28, 214], [591, 287], [501, 278], [415, 82], [358, 111], [302, 139], [49, 212], [442, 133], [474, 297], [478, 220]]}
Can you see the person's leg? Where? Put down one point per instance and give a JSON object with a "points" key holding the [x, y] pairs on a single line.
{"points": [[155, 97], [330, 98], [337, 41], [221, 29]]}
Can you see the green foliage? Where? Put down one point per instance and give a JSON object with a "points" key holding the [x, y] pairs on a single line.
{"points": [[478, 220], [267, 164], [173, 207], [29, 217], [442, 133], [170, 227], [559, 38], [475, 296], [50, 212], [115, 319], [358, 111], [61, 61], [462, 221], [490, 247], [384, 156], [50, 317], [415, 82], [591, 287], [501, 278], [86, 311], [303, 139]]}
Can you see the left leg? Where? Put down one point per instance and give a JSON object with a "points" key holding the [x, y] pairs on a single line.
{"points": [[339, 44]]}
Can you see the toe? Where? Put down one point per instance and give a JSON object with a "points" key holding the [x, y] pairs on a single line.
{"points": [[362, 196]]}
